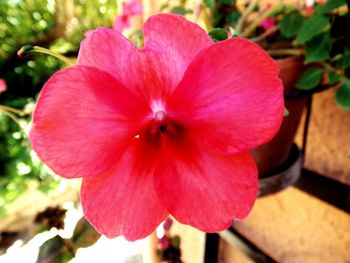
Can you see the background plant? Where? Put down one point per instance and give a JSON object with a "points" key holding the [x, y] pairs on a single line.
{"points": [[319, 34], [55, 24]]}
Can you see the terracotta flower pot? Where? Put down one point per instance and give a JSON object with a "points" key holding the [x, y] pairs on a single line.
{"points": [[272, 157]]}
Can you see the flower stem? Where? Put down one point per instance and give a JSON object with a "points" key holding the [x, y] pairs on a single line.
{"points": [[12, 116], [276, 9], [264, 35], [285, 52], [13, 110], [331, 68], [244, 16], [51, 53], [37, 49]]}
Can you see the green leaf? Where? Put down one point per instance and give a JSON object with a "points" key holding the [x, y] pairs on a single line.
{"points": [[176, 241], [329, 6], [342, 95], [218, 34], [290, 24], [227, 2], [310, 78], [209, 3], [84, 234], [311, 27], [333, 78], [163, 7], [318, 48], [54, 251], [344, 61], [233, 17], [179, 10]]}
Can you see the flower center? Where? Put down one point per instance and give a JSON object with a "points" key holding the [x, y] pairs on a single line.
{"points": [[163, 128], [160, 121]]}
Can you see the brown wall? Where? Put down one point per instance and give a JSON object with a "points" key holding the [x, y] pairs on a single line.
{"points": [[328, 146]]}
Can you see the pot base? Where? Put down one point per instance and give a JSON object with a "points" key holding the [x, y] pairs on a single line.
{"points": [[284, 175]]}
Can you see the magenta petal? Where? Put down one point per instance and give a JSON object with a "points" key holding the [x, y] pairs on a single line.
{"points": [[173, 42], [109, 50], [83, 121], [207, 191], [123, 201], [230, 96]]}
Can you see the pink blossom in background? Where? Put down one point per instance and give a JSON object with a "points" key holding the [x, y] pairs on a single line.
{"points": [[162, 130], [309, 3], [309, 7], [3, 86], [129, 9], [163, 242], [267, 23], [167, 224]]}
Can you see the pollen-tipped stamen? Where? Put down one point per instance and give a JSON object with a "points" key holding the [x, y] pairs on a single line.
{"points": [[28, 48]]}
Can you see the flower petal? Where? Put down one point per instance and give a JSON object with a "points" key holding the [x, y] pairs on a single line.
{"points": [[108, 50], [174, 42], [83, 121], [231, 96], [171, 42], [207, 190], [123, 201]]}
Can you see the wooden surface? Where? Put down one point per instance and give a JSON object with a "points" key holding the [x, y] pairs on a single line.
{"points": [[292, 226]]}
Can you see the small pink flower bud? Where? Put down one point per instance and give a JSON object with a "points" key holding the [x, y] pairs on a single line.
{"points": [[3, 86]]}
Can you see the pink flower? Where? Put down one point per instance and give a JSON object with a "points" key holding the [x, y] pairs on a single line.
{"points": [[3, 86], [309, 7], [267, 23], [167, 224], [163, 243], [130, 9], [162, 130]]}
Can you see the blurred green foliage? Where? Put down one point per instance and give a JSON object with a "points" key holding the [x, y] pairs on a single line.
{"points": [[55, 24]]}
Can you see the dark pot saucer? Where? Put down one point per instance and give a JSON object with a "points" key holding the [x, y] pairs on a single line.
{"points": [[284, 175]]}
